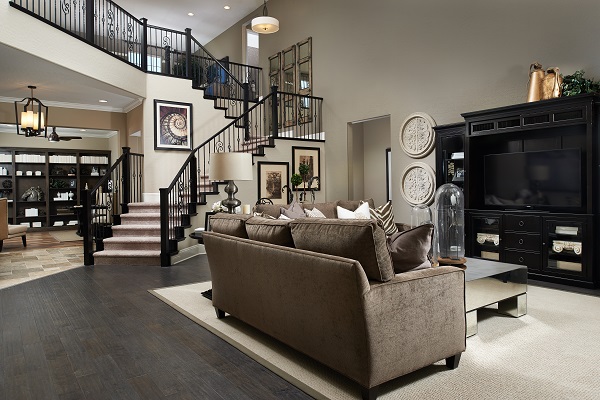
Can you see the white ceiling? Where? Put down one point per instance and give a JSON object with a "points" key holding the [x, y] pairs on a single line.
{"points": [[58, 86]]}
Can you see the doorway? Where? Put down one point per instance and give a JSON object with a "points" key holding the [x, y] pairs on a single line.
{"points": [[368, 141]]}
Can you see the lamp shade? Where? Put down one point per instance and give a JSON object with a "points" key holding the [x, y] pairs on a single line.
{"points": [[231, 167], [265, 24]]}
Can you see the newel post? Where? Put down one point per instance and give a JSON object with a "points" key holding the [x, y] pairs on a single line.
{"points": [[188, 53], [274, 113], [144, 60], [126, 186], [89, 21]]}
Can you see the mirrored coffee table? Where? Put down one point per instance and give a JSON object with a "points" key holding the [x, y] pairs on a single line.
{"points": [[489, 282]]}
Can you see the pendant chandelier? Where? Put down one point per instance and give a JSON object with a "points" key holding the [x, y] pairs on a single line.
{"points": [[31, 121], [265, 24]]}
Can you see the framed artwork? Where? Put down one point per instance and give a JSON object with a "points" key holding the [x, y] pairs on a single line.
{"points": [[172, 125], [272, 177], [388, 173], [312, 157]]}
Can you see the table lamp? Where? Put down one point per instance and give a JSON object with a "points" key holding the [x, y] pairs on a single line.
{"points": [[231, 167]]}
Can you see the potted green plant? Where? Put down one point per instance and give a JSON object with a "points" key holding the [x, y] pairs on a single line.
{"points": [[304, 170], [296, 181], [576, 84]]}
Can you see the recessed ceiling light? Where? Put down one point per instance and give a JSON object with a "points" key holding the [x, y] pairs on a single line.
{"points": [[82, 130], [227, 7], [103, 101], [191, 14]]}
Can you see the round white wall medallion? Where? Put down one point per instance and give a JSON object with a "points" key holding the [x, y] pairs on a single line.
{"points": [[417, 137], [418, 184]]}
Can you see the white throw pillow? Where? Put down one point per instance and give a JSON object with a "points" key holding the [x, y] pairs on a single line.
{"points": [[314, 213], [362, 212]]}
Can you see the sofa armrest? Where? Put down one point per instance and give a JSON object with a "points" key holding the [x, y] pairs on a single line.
{"points": [[417, 317]]}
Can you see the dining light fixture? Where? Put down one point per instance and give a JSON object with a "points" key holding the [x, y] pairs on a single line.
{"points": [[33, 118], [265, 24]]}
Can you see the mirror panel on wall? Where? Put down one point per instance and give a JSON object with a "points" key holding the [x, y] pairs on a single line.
{"points": [[291, 70]]}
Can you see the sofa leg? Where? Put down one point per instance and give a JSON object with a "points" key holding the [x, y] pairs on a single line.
{"points": [[24, 238], [452, 362], [1, 243], [220, 313], [369, 394]]}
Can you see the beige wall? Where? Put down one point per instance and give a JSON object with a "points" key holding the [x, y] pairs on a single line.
{"points": [[160, 166], [21, 31], [442, 58], [135, 125], [70, 118]]}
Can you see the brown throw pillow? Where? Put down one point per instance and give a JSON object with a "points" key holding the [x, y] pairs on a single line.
{"points": [[409, 249]]}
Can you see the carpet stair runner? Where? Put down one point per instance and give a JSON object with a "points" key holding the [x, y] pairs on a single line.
{"points": [[136, 241]]}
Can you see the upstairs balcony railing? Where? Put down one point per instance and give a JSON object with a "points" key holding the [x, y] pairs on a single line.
{"points": [[152, 49]]}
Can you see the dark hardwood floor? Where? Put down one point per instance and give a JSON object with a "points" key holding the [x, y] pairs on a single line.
{"points": [[96, 333]]}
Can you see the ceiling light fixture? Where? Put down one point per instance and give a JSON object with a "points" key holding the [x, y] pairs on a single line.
{"points": [[102, 101], [191, 14], [227, 7], [265, 24], [31, 119]]}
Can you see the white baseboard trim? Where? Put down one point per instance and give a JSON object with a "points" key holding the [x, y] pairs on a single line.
{"points": [[187, 253]]}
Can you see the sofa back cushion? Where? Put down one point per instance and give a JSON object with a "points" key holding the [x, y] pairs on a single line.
{"points": [[361, 240], [275, 231], [274, 210], [328, 209], [352, 205], [230, 224]]}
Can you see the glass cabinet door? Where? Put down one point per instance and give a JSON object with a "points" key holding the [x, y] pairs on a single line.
{"points": [[565, 246], [485, 236]]}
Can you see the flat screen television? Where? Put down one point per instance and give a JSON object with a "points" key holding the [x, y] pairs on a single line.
{"points": [[545, 180]]}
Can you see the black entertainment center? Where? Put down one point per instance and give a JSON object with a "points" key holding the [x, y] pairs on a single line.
{"points": [[530, 173]]}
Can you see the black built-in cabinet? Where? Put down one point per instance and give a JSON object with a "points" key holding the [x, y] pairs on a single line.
{"points": [[554, 241]]}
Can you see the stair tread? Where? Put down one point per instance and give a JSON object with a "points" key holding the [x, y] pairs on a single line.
{"points": [[141, 215], [132, 239], [127, 253], [134, 227]]}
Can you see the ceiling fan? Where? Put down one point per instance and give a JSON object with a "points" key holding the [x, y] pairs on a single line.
{"points": [[53, 136]]}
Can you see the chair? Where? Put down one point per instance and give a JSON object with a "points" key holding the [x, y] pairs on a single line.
{"points": [[10, 231]]}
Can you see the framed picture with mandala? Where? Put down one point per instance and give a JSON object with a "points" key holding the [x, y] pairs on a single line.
{"points": [[172, 125]]}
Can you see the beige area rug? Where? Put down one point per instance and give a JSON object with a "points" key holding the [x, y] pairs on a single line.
{"points": [[553, 352], [65, 236]]}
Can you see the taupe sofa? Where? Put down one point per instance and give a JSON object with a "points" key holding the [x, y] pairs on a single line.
{"points": [[351, 313]]}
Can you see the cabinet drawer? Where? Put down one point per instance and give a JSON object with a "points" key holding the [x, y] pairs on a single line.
{"points": [[530, 260], [523, 241], [522, 223]]}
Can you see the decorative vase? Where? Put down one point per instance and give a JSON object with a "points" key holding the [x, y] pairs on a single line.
{"points": [[449, 242], [71, 195]]}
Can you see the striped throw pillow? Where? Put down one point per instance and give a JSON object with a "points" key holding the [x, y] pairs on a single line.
{"points": [[385, 216]]}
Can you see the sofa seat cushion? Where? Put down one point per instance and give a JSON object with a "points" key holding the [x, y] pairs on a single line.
{"points": [[230, 224], [17, 230], [409, 249], [359, 239], [275, 231]]}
